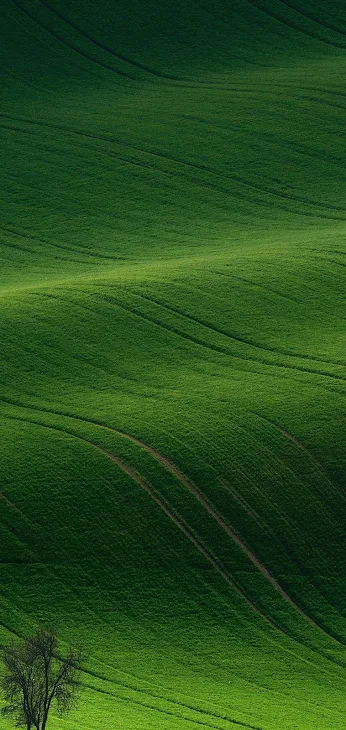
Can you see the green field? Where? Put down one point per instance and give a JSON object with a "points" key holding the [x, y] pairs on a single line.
{"points": [[173, 360]]}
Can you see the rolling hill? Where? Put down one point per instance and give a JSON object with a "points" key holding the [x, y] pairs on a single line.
{"points": [[173, 362]]}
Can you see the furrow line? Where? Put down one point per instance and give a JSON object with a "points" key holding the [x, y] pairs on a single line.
{"points": [[298, 443], [71, 46], [108, 49], [204, 168], [233, 336], [67, 249], [294, 26], [313, 17], [170, 713]]}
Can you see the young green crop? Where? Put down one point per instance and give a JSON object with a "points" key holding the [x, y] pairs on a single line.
{"points": [[173, 367]]}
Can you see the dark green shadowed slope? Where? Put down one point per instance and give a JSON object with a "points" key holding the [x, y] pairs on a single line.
{"points": [[173, 361]]}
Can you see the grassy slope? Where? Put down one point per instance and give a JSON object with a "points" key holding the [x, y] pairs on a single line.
{"points": [[173, 361]]}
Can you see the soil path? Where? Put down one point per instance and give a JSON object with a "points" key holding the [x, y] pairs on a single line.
{"points": [[178, 474], [180, 524], [213, 512]]}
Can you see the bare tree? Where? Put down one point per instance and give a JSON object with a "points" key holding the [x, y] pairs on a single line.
{"points": [[36, 678]]}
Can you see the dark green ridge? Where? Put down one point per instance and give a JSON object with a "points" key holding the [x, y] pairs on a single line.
{"points": [[173, 360]]}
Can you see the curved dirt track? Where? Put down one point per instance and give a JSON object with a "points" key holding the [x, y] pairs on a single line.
{"points": [[178, 474], [163, 504], [202, 499]]}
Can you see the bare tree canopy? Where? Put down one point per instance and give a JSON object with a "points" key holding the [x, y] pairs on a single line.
{"points": [[35, 678]]}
